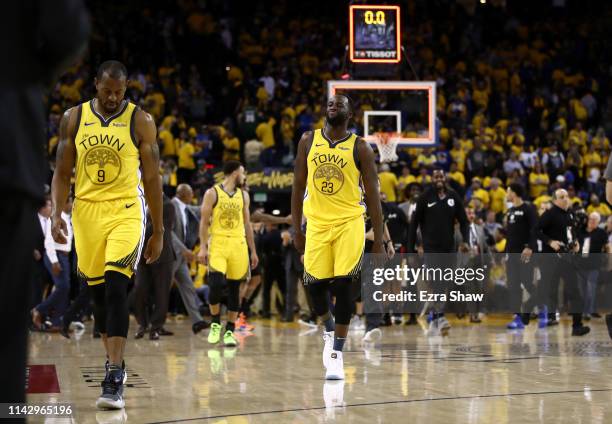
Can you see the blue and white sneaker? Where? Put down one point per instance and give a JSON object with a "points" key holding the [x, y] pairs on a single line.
{"points": [[543, 317], [112, 390], [516, 323]]}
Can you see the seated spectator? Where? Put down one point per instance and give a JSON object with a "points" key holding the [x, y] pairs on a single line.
{"points": [[596, 206], [456, 175], [498, 197], [538, 181]]}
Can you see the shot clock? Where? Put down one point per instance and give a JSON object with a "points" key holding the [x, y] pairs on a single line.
{"points": [[374, 34]]}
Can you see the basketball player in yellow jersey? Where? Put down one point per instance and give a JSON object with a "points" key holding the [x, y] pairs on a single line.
{"points": [[109, 142], [330, 167], [225, 232]]}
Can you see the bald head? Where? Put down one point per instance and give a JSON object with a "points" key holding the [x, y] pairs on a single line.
{"points": [[184, 193], [561, 198]]}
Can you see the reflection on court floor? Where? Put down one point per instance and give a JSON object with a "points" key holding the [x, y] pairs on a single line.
{"points": [[478, 374]]}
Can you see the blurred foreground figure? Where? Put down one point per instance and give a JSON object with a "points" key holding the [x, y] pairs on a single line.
{"points": [[40, 38]]}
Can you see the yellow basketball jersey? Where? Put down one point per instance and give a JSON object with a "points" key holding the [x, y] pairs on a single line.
{"points": [[227, 217], [333, 192], [107, 158]]}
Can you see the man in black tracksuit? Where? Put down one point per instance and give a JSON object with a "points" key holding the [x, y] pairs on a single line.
{"points": [[437, 210], [556, 231], [521, 221]]}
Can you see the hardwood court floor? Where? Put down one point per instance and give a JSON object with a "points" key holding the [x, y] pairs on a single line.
{"points": [[478, 374]]}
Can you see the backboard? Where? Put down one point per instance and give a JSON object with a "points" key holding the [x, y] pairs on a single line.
{"points": [[405, 110]]}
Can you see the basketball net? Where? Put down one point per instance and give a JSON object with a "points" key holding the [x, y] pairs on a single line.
{"points": [[387, 146]]}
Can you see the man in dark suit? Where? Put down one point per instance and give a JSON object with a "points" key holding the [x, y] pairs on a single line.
{"points": [[41, 38], [155, 279], [184, 239]]}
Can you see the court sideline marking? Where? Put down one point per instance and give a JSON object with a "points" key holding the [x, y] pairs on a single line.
{"points": [[280, 411]]}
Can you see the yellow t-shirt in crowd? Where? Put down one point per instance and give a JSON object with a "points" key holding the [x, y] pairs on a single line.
{"points": [[483, 195], [457, 176], [388, 185], [538, 184], [170, 147], [459, 158], [185, 156], [265, 132], [603, 209], [498, 200], [231, 149]]}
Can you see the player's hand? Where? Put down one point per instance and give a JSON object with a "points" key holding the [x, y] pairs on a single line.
{"points": [[154, 247], [526, 254], [576, 247], [58, 229], [56, 269], [299, 241], [555, 245], [390, 251], [254, 260], [188, 255], [203, 255]]}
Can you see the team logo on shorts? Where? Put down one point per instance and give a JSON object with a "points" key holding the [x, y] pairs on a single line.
{"points": [[328, 178], [102, 165]]}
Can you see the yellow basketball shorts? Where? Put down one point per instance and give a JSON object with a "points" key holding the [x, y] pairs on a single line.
{"points": [[229, 256], [333, 251], [108, 236]]}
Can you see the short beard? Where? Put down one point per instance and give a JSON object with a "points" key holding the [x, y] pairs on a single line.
{"points": [[336, 120]]}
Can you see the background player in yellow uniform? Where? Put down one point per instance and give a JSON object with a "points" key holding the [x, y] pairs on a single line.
{"points": [[330, 167], [110, 142], [225, 212]]}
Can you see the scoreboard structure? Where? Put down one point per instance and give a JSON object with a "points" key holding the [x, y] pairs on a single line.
{"points": [[375, 34]]}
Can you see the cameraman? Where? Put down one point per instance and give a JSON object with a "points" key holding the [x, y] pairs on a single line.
{"points": [[556, 229]]}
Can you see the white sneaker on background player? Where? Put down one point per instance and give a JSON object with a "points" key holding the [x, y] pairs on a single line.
{"points": [[372, 336], [328, 346], [335, 366]]}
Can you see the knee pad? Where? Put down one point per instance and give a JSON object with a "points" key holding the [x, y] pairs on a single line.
{"points": [[320, 297], [216, 282], [118, 317], [233, 295], [344, 301], [98, 295]]}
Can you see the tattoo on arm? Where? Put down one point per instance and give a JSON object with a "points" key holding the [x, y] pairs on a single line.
{"points": [[154, 151]]}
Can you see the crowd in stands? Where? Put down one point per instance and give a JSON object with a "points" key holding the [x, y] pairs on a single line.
{"points": [[519, 98], [522, 96]]}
